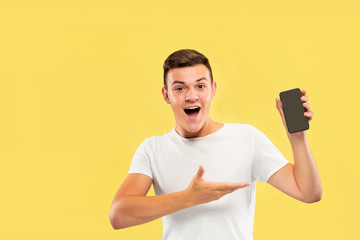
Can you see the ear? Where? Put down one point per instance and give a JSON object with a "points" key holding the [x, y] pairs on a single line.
{"points": [[213, 90], [165, 95]]}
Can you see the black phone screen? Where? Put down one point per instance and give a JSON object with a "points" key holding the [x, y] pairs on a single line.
{"points": [[294, 110]]}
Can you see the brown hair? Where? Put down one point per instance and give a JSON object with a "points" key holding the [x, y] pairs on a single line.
{"points": [[185, 58]]}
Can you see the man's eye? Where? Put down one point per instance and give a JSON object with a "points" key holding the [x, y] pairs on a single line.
{"points": [[203, 86], [178, 89]]}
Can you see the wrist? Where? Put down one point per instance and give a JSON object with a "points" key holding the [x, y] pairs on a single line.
{"points": [[185, 197], [297, 137]]}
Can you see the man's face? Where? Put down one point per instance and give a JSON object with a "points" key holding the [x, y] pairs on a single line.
{"points": [[189, 88]]}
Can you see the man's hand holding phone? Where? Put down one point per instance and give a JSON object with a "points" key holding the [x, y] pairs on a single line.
{"points": [[295, 112]]}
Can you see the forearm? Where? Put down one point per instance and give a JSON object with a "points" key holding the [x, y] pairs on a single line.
{"points": [[305, 170], [135, 210]]}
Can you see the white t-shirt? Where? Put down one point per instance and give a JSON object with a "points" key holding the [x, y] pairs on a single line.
{"points": [[234, 153]]}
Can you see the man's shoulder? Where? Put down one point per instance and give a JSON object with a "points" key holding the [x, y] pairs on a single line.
{"points": [[156, 138]]}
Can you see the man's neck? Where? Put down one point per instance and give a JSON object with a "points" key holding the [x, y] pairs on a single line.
{"points": [[208, 128]]}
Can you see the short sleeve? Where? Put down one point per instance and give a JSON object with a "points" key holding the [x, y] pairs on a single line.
{"points": [[141, 162], [267, 159]]}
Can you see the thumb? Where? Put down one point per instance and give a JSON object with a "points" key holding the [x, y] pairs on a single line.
{"points": [[277, 103], [200, 172], [279, 106]]}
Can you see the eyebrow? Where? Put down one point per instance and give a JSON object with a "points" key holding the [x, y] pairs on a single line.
{"points": [[181, 82]]}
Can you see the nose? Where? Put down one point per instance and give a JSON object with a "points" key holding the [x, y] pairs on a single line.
{"points": [[191, 95]]}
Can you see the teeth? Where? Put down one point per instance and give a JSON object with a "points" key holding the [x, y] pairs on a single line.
{"points": [[192, 108]]}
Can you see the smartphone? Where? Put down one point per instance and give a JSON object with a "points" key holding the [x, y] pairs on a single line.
{"points": [[294, 110]]}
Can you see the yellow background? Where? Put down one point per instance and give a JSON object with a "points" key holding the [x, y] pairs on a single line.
{"points": [[81, 89]]}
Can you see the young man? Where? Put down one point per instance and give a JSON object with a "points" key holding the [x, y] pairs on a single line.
{"points": [[204, 172]]}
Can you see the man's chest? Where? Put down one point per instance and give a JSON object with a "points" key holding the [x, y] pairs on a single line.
{"points": [[174, 165]]}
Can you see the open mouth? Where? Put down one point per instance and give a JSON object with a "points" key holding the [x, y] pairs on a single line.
{"points": [[192, 112]]}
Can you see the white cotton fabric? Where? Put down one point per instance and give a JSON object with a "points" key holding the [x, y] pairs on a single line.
{"points": [[234, 153]]}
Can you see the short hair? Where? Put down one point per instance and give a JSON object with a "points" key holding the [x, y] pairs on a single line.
{"points": [[185, 58]]}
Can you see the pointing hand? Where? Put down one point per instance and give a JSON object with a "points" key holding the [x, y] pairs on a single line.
{"points": [[200, 191]]}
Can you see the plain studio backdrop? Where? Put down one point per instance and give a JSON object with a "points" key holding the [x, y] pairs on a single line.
{"points": [[81, 89]]}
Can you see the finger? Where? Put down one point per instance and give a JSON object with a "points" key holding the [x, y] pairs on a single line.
{"points": [[243, 184], [304, 98], [239, 186], [309, 115], [307, 106], [278, 104], [200, 172], [279, 107], [226, 186]]}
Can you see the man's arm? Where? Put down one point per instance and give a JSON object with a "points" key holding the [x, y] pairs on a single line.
{"points": [[131, 207], [300, 180]]}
